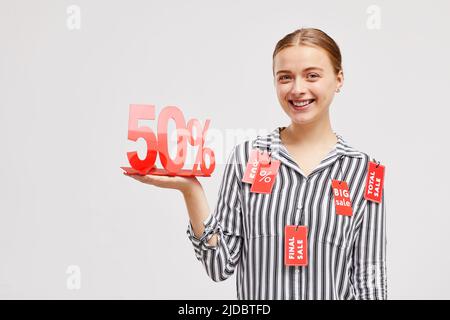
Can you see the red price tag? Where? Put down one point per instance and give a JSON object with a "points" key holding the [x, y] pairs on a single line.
{"points": [[265, 177], [374, 182], [341, 197], [256, 157], [158, 145], [296, 246]]}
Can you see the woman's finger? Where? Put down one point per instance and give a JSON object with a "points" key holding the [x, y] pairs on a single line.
{"points": [[172, 182], [144, 179]]}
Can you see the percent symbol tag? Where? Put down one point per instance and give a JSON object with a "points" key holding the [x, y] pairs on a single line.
{"points": [[265, 177], [158, 145]]}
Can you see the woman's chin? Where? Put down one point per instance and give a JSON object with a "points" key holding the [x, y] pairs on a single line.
{"points": [[303, 118]]}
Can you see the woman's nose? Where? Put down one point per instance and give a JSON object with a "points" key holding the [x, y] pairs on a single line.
{"points": [[298, 86]]}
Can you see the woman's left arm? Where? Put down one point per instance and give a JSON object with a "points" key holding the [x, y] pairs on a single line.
{"points": [[369, 253]]}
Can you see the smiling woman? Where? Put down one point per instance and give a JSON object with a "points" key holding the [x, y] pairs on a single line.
{"points": [[307, 71], [317, 196]]}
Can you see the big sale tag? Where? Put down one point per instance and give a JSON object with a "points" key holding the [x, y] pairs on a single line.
{"points": [[374, 182], [256, 157], [296, 246], [341, 195]]}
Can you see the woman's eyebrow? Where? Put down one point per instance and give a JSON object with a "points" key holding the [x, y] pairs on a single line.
{"points": [[312, 68], [306, 69]]}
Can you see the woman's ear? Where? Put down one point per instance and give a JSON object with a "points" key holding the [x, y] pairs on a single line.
{"points": [[340, 80]]}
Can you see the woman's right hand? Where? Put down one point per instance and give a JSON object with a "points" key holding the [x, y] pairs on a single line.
{"points": [[183, 184]]}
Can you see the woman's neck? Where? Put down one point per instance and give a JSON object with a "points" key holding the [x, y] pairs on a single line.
{"points": [[309, 135]]}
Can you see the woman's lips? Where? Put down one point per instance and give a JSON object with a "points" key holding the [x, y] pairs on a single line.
{"points": [[305, 107]]}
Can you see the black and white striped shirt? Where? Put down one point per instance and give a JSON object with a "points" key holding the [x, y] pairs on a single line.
{"points": [[346, 254]]}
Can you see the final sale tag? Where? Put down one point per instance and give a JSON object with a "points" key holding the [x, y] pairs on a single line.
{"points": [[256, 157], [295, 246], [265, 177], [341, 197], [374, 182]]}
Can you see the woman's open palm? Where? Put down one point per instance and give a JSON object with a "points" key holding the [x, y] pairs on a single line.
{"points": [[170, 182]]}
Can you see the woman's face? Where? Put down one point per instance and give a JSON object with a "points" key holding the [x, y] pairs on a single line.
{"points": [[303, 73]]}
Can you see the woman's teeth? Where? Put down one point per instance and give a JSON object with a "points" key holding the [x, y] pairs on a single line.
{"points": [[301, 104]]}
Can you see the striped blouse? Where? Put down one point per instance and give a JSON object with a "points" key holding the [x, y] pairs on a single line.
{"points": [[346, 254]]}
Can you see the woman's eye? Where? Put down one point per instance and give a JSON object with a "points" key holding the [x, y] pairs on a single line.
{"points": [[311, 76]]}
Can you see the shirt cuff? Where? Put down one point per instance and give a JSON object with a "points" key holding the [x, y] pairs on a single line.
{"points": [[202, 242]]}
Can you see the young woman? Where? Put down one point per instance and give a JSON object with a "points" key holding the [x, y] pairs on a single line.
{"points": [[246, 232]]}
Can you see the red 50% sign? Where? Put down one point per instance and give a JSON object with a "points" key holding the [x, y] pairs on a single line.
{"points": [[158, 144]]}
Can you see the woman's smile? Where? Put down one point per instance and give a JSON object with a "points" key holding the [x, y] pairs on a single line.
{"points": [[301, 105]]}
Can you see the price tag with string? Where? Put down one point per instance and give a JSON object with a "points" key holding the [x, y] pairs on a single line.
{"points": [[265, 176], [341, 195], [256, 157], [295, 245], [374, 181]]}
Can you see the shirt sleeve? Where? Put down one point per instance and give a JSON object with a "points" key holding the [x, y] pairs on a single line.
{"points": [[369, 253], [221, 260]]}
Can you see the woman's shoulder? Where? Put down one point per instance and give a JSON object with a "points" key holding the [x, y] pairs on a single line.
{"points": [[241, 151], [348, 149]]}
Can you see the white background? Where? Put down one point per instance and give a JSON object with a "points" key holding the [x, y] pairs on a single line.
{"points": [[64, 99]]}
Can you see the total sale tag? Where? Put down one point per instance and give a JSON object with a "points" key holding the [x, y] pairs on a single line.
{"points": [[341, 195], [256, 157], [265, 177], [374, 182], [296, 246]]}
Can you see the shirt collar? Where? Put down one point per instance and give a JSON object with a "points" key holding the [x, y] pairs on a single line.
{"points": [[272, 143]]}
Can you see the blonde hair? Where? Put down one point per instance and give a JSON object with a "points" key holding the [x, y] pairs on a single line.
{"points": [[311, 37]]}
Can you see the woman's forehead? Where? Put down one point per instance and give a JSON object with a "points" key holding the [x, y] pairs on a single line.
{"points": [[301, 57]]}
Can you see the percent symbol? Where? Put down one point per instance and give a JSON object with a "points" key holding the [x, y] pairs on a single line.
{"points": [[200, 141], [265, 176]]}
